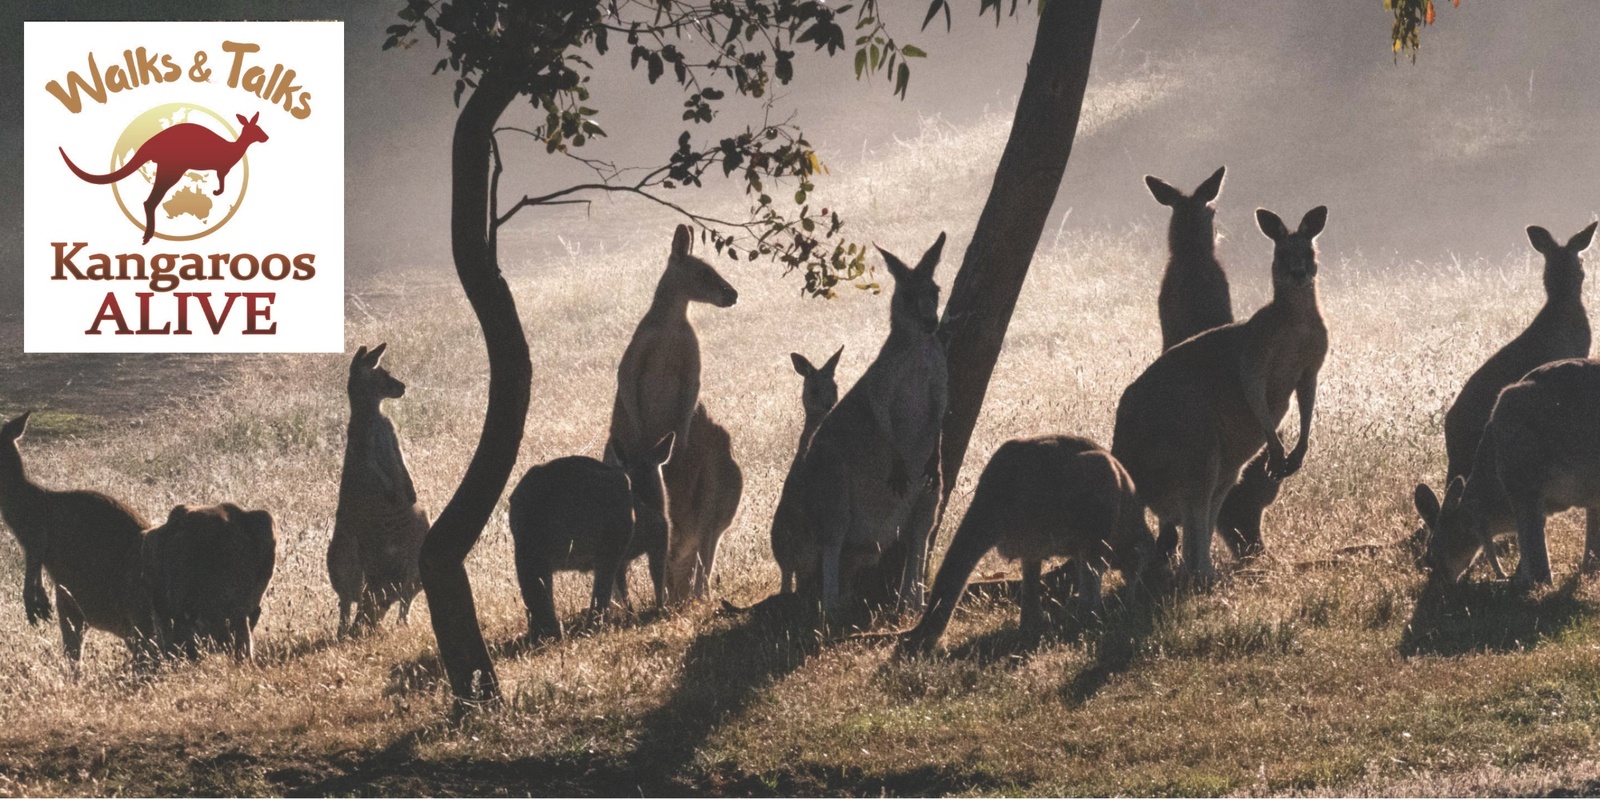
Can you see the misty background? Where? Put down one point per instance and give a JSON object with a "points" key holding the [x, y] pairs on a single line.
{"points": [[1492, 130]]}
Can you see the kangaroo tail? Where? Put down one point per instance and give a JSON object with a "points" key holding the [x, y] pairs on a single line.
{"points": [[127, 169]]}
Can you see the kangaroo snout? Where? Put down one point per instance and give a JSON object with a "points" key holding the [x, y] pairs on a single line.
{"points": [[729, 297]]}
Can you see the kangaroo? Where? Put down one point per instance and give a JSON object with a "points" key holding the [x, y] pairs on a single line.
{"points": [[1194, 289], [1559, 331], [88, 542], [176, 150], [208, 569], [1194, 298], [379, 527], [791, 548], [658, 392], [576, 513], [706, 484], [1539, 454], [1188, 424], [860, 490], [1039, 498]]}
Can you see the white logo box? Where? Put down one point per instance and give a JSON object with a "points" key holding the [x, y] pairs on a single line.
{"points": [[291, 208]]}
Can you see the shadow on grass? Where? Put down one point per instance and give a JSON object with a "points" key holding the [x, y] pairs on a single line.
{"points": [[1116, 644], [1480, 617], [724, 670]]}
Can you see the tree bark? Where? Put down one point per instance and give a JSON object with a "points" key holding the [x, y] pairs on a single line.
{"points": [[456, 530], [1025, 184]]}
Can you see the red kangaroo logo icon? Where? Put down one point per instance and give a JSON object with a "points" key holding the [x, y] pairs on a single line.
{"points": [[176, 150]]}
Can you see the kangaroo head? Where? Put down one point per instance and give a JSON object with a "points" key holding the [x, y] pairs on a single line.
{"points": [[692, 277], [1294, 254], [820, 393], [1453, 535], [13, 430], [915, 303], [1189, 212], [1563, 263], [251, 132], [370, 381]]}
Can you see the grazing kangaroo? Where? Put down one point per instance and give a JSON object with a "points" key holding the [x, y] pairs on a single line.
{"points": [[1539, 454], [1560, 330], [1039, 498], [177, 150], [88, 542], [379, 527], [1188, 424], [208, 569], [871, 475], [576, 513], [706, 485], [791, 548], [658, 392], [1194, 298]]}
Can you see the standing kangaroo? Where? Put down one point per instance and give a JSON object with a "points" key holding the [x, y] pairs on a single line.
{"points": [[1539, 454], [576, 513], [791, 548], [658, 392], [1188, 424], [379, 527], [1040, 498], [1559, 331], [177, 150], [88, 542], [706, 485], [871, 475], [1194, 298], [1194, 289]]}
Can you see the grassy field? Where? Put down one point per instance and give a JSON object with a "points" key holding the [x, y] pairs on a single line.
{"points": [[1319, 670]]}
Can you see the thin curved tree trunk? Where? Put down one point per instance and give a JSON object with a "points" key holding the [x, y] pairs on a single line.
{"points": [[454, 533], [1025, 184]]}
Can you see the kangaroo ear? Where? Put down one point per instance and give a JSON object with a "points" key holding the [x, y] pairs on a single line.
{"points": [[361, 352], [1541, 239], [801, 365], [1212, 187], [178, 512], [1580, 241], [254, 117], [1271, 225], [897, 268], [13, 430], [662, 452], [377, 353], [682, 242], [242, 120], [1312, 223], [1427, 504], [1453, 492], [1163, 192], [930, 259], [833, 361]]}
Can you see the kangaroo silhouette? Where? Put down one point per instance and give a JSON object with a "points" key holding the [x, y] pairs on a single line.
{"points": [[176, 150]]}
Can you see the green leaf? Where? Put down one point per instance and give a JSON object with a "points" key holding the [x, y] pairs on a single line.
{"points": [[912, 51], [901, 80], [861, 62]]}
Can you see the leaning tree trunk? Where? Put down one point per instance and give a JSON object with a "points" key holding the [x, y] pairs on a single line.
{"points": [[990, 279], [1025, 184], [456, 530]]}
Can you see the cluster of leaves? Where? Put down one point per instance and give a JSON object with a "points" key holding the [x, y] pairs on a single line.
{"points": [[712, 49], [1409, 18]]}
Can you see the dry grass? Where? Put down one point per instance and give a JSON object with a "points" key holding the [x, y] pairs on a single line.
{"points": [[1318, 672]]}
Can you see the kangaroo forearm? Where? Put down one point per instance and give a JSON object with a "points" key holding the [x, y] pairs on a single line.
{"points": [[1306, 394]]}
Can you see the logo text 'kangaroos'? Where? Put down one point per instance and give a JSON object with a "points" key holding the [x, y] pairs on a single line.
{"points": [[160, 131]]}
